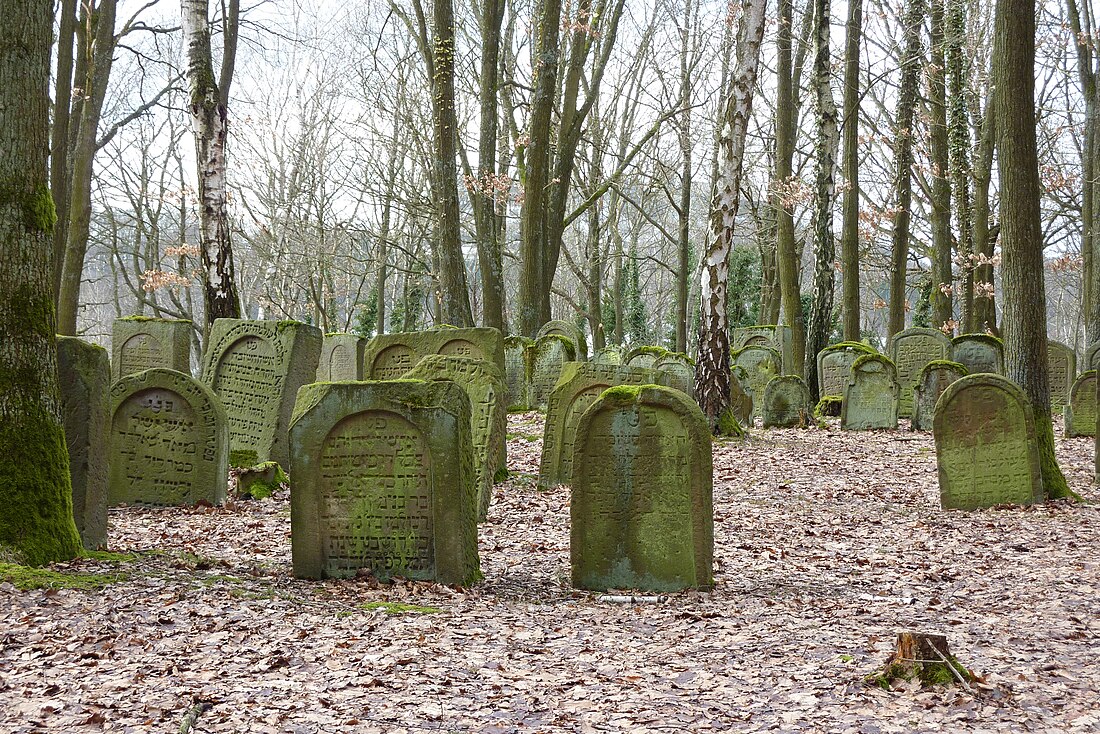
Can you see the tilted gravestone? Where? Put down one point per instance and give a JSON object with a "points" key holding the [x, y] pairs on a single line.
{"points": [[986, 449], [608, 355], [1062, 371], [383, 480], [390, 356], [255, 368], [517, 371], [341, 358], [786, 402], [761, 364], [484, 386], [871, 397], [834, 366], [169, 441], [141, 343], [644, 356], [1092, 356], [641, 509], [1080, 411], [776, 337], [933, 380], [740, 401], [548, 355], [677, 371], [910, 350], [579, 385], [570, 332], [979, 353], [84, 373]]}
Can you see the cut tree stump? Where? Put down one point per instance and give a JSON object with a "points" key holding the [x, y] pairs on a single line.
{"points": [[924, 658]]}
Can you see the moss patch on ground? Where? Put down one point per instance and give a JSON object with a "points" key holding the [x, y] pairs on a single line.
{"points": [[393, 607], [26, 578]]}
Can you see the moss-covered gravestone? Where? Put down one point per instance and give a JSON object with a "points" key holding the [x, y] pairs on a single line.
{"points": [[910, 350], [786, 402], [256, 368], [871, 397], [142, 343], [641, 510], [390, 356], [383, 480], [84, 373], [933, 380], [761, 364], [169, 441], [834, 366], [644, 356], [517, 371], [740, 401], [484, 386], [986, 449], [579, 385], [548, 355], [1080, 412], [1062, 371], [1092, 356], [979, 353], [570, 332], [677, 371], [341, 358], [608, 355], [776, 337]]}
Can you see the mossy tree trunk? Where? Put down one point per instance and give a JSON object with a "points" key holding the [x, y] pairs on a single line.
{"points": [[849, 239], [36, 514], [942, 301]]}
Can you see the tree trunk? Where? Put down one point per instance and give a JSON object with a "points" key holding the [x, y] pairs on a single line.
{"points": [[59, 136], [849, 239], [486, 194], [959, 143], [1025, 322], [683, 213], [942, 309], [36, 520], [985, 311]]}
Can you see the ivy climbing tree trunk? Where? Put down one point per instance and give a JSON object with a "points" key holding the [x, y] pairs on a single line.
{"points": [[36, 516], [712, 368], [849, 240], [958, 133], [942, 302]]}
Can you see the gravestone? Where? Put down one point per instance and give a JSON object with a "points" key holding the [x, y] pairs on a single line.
{"points": [[761, 364], [255, 368], [383, 480], [677, 371], [834, 366], [933, 380], [580, 384], [608, 355], [570, 332], [84, 373], [141, 343], [740, 401], [776, 337], [986, 449], [979, 353], [484, 386], [341, 358], [786, 402], [641, 509], [871, 397], [1092, 356], [644, 356], [169, 441], [1062, 370], [910, 350], [548, 355], [1080, 412], [390, 356], [517, 371]]}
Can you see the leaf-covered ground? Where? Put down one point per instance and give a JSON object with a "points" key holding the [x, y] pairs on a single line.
{"points": [[827, 543]]}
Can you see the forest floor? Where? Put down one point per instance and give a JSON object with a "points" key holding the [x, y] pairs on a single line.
{"points": [[827, 543]]}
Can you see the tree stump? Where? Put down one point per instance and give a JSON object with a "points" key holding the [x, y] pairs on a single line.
{"points": [[923, 658]]}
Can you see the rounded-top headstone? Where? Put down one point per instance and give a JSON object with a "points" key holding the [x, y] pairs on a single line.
{"points": [[548, 355], [644, 356], [786, 402], [517, 371], [677, 371], [608, 355], [834, 365], [1062, 371], [933, 380], [1080, 411], [570, 332], [871, 397], [910, 350], [979, 353], [761, 364]]}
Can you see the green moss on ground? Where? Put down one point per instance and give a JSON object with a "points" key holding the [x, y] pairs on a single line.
{"points": [[260, 481], [393, 607], [26, 578]]}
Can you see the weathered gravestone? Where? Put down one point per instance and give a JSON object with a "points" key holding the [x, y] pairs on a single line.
{"points": [[933, 380], [390, 356], [834, 366], [871, 397], [740, 401], [641, 511], [1092, 356], [761, 364], [341, 358], [517, 371], [608, 355], [141, 343], [910, 350], [84, 373], [570, 332], [484, 387], [548, 356], [383, 480], [169, 441], [1062, 370], [1080, 412], [979, 353], [677, 371], [644, 356], [986, 449], [255, 368], [786, 402], [776, 337], [580, 384]]}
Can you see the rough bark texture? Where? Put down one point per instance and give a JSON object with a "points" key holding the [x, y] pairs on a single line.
{"points": [[487, 219], [59, 133], [683, 210], [849, 240], [985, 235], [942, 308], [36, 514], [958, 123]]}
